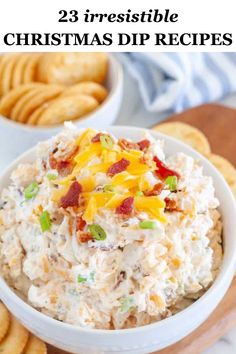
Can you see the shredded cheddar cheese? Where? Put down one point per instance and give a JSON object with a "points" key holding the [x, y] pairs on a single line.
{"points": [[83, 158], [116, 200], [109, 156], [85, 138], [126, 184], [90, 210], [88, 184], [59, 193], [144, 184], [100, 167]]}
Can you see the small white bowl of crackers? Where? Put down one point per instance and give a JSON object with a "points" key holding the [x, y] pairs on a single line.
{"points": [[39, 91]]}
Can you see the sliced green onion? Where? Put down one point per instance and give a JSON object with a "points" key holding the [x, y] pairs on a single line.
{"points": [[51, 176], [108, 188], [126, 304], [171, 182], [139, 194], [147, 224], [81, 279], [31, 191], [106, 141], [97, 232], [45, 221]]}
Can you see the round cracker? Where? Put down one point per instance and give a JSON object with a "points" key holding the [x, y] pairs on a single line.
{"points": [[188, 134], [5, 321], [71, 68], [34, 117], [8, 74], [22, 102], [9, 100], [18, 72], [67, 108], [40, 97], [15, 340], [225, 167], [3, 62], [87, 88], [6, 68], [30, 71], [35, 346]]}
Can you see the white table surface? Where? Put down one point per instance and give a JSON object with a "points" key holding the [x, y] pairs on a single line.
{"points": [[133, 113]]}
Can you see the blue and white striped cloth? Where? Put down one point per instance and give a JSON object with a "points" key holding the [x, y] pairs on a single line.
{"points": [[176, 81]]}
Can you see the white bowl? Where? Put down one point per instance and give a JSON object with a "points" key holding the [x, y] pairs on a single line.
{"points": [[15, 137], [152, 337]]}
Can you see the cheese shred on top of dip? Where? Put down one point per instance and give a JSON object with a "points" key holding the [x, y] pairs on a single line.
{"points": [[108, 233]]}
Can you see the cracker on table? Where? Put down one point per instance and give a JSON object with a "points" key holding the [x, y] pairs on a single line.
{"points": [[15, 339], [35, 346], [225, 167], [5, 321], [188, 134]]}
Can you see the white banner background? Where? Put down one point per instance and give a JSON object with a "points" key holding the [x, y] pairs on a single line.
{"points": [[202, 16]]}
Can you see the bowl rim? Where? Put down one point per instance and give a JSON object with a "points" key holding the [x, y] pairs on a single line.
{"points": [[118, 81], [181, 315]]}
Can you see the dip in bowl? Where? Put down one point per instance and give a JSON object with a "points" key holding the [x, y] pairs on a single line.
{"points": [[114, 240]]}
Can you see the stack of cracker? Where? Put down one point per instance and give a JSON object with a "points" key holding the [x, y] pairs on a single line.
{"points": [[15, 339], [50, 88]]}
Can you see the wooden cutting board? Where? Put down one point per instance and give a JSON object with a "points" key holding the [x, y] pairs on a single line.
{"points": [[218, 123]]}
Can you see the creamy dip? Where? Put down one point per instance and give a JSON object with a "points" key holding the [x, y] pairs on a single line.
{"points": [[107, 233]]}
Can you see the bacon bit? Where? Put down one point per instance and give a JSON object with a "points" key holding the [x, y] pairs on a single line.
{"points": [[163, 171], [63, 167], [52, 162], [66, 170], [127, 145], [144, 144], [126, 207], [118, 167], [96, 138], [157, 189], [80, 223], [84, 237], [71, 199], [171, 205]]}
